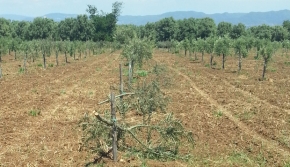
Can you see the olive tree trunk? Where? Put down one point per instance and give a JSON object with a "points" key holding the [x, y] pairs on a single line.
{"points": [[65, 55], [56, 57], [264, 69], [24, 62], [44, 60], [224, 59], [0, 71], [240, 62], [130, 71], [211, 60]]}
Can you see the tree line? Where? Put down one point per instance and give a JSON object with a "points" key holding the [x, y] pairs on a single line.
{"points": [[169, 29], [98, 26]]}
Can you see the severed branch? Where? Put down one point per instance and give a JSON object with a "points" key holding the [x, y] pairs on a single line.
{"points": [[97, 115], [130, 131], [102, 120], [118, 96]]}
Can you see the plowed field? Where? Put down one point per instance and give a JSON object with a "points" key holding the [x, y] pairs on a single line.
{"points": [[237, 119]]}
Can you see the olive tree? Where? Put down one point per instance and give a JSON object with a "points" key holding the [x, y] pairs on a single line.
{"points": [[201, 47], [3, 50], [65, 49], [72, 50], [250, 41], [15, 45], [222, 47], [209, 48], [0, 71], [286, 46], [26, 48], [258, 44], [57, 48], [3, 47], [80, 47], [240, 46], [45, 47], [267, 51], [193, 48], [35, 44], [136, 51], [186, 46]]}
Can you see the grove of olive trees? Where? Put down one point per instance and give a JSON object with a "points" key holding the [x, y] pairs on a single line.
{"points": [[89, 34]]}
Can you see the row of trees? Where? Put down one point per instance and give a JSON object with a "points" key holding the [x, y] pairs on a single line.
{"points": [[31, 50], [169, 29], [98, 26], [219, 46], [225, 46]]}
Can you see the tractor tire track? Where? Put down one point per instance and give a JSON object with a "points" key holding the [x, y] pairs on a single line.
{"points": [[246, 93]]}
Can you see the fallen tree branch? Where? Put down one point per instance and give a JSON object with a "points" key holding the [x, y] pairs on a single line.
{"points": [[97, 115], [118, 96]]}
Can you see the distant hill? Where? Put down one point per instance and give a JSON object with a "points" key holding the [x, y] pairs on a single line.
{"points": [[55, 16], [59, 16], [249, 19], [16, 17]]}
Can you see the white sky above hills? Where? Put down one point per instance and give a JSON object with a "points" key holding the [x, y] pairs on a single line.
{"points": [[140, 7]]}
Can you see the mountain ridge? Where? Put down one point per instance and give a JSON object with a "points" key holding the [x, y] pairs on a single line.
{"points": [[249, 19]]}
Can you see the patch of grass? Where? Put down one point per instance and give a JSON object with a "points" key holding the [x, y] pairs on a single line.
{"points": [[125, 72], [246, 115], [287, 164], [62, 92], [284, 138], [142, 73], [261, 160], [91, 164], [287, 63], [144, 163], [207, 65], [197, 74], [189, 73], [39, 65], [218, 113], [272, 69], [21, 70], [238, 158], [134, 80], [34, 113], [50, 65], [34, 90], [91, 93]]}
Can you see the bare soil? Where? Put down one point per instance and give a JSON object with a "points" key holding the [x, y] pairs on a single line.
{"points": [[237, 119]]}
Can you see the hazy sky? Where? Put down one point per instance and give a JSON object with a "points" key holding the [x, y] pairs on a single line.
{"points": [[139, 7]]}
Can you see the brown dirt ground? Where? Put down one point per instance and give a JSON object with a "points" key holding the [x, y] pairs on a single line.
{"points": [[237, 119]]}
